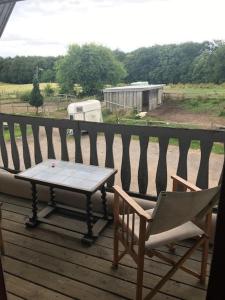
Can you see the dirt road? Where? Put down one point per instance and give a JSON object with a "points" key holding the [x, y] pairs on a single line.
{"points": [[171, 112]]}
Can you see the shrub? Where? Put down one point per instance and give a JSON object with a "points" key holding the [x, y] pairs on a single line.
{"points": [[36, 98], [49, 90]]}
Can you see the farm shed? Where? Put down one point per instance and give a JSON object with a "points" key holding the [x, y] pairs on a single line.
{"points": [[142, 97]]}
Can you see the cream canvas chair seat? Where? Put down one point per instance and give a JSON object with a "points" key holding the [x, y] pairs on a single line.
{"points": [[180, 233], [174, 218]]}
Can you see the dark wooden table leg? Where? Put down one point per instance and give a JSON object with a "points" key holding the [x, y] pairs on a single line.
{"points": [[88, 238], [33, 221], [52, 197], [104, 202]]}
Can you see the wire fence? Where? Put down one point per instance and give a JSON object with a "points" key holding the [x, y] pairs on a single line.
{"points": [[21, 107], [13, 105]]}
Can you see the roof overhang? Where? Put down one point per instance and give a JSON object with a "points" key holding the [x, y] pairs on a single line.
{"points": [[134, 88], [6, 8]]}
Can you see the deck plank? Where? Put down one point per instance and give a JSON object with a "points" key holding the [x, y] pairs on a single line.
{"points": [[53, 281], [27, 290], [13, 297], [98, 266], [72, 271], [54, 260], [43, 233], [108, 232]]}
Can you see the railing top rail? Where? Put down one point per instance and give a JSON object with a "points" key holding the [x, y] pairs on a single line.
{"points": [[139, 130]]}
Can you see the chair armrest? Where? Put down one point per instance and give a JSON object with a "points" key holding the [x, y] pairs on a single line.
{"points": [[178, 180], [131, 202]]}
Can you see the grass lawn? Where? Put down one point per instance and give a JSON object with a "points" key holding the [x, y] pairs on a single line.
{"points": [[130, 118], [198, 98], [17, 132], [214, 106]]}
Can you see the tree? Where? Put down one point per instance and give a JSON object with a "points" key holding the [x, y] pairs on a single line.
{"points": [[36, 98], [201, 72], [120, 55], [217, 64], [164, 64], [91, 66]]}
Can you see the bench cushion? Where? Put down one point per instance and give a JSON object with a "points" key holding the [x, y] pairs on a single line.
{"points": [[22, 189]]}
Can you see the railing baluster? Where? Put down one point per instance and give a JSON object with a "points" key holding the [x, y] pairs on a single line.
{"points": [[161, 174], [203, 171], [185, 136], [132, 234], [143, 165], [78, 150], [123, 214], [15, 153], [64, 149], [184, 146], [128, 221], [125, 166], [51, 152], [37, 147], [3, 147], [93, 148], [109, 159], [26, 151]]}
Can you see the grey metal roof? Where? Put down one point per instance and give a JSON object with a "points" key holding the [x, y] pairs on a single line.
{"points": [[134, 88], [6, 8]]}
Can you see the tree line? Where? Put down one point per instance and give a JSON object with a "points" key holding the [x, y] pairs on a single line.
{"points": [[93, 66], [21, 69]]}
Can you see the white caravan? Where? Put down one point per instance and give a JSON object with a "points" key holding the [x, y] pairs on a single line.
{"points": [[89, 110]]}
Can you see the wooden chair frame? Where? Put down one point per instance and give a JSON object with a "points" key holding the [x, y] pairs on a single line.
{"points": [[3, 295], [126, 207]]}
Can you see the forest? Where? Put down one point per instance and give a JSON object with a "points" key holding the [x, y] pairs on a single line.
{"points": [[94, 66]]}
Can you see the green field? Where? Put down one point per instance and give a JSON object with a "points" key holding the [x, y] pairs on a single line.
{"points": [[9, 88], [190, 90], [13, 92]]}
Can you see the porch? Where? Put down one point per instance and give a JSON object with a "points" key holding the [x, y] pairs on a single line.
{"points": [[51, 263]]}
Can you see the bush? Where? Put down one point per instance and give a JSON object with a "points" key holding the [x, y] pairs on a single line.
{"points": [[49, 90], [25, 96], [78, 90], [221, 114]]}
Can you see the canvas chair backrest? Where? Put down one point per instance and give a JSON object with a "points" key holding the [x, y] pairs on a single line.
{"points": [[176, 208]]}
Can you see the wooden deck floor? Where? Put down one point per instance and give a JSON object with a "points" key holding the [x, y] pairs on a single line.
{"points": [[46, 263]]}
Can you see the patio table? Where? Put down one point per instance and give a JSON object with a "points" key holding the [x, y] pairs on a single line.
{"points": [[80, 178]]}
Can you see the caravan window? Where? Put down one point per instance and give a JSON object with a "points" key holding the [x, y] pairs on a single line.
{"points": [[79, 109]]}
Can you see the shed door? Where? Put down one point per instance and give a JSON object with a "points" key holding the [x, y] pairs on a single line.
{"points": [[145, 101]]}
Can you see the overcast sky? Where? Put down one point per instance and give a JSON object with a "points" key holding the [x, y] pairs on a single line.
{"points": [[47, 27]]}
